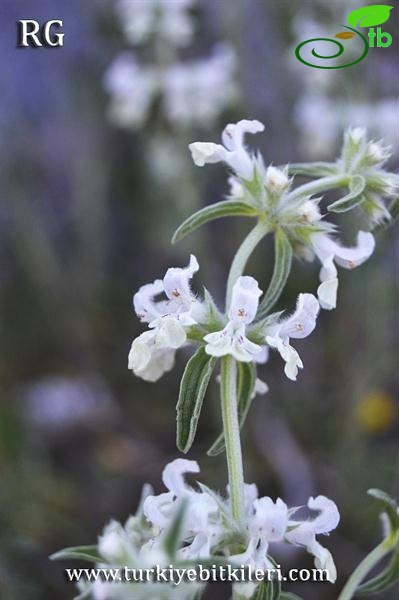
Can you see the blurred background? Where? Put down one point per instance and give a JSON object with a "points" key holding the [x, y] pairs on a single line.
{"points": [[95, 175]]}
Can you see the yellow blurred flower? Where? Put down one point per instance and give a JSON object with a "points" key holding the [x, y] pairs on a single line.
{"points": [[376, 412]]}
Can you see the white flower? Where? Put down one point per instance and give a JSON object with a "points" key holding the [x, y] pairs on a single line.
{"points": [[167, 20], [150, 360], [198, 528], [299, 325], [196, 92], [176, 285], [328, 251], [232, 339], [114, 544], [304, 533], [152, 352], [132, 89], [267, 524], [233, 153]]}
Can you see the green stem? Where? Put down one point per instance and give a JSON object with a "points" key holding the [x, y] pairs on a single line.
{"points": [[320, 185], [231, 430], [243, 253], [363, 569]]}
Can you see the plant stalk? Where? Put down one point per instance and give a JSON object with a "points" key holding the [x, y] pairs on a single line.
{"points": [[241, 258], [231, 430]]}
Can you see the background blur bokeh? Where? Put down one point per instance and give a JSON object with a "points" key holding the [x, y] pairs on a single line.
{"points": [[91, 190]]}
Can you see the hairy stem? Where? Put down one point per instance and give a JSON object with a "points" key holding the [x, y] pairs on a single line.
{"points": [[363, 569], [231, 430], [243, 253]]}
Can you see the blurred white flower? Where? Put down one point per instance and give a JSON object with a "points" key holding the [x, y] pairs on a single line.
{"points": [[132, 88], [61, 402], [196, 92], [299, 325], [233, 153], [164, 19], [232, 339]]}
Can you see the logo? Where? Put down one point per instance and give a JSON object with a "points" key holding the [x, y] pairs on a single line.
{"points": [[31, 33], [368, 16]]}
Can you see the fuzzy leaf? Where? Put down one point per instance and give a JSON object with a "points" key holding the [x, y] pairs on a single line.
{"points": [[390, 506], [89, 553], [385, 580], [353, 199], [213, 317], [369, 16], [281, 271], [246, 377], [314, 169], [289, 596], [268, 590], [227, 208], [173, 534], [193, 386]]}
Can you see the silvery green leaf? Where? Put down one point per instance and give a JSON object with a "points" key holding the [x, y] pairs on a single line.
{"points": [[193, 386], [314, 169], [221, 505], [268, 590], [213, 317], [385, 580], [172, 536], [257, 332], [246, 377], [369, 16], [281, 271], [227, 208], [353, 199], [89, 553], [390, 507], [289, 596]]}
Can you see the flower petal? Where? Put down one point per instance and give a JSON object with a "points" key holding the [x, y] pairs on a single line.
{"points": [[270, 520], [303, 321], [233, 133], [170, 332], [327, 294], [143, 301], [177, 285], [172, 475], [288, 354], [207, 153], [350, 258], [245, 300]]}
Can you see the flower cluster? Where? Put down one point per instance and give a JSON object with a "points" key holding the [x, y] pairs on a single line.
{"points": [[192, 92], [170, 321], [208, 531], [295, 211]]}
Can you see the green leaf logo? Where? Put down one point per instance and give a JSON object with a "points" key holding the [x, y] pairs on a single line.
{"points": [[370, 16]]}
